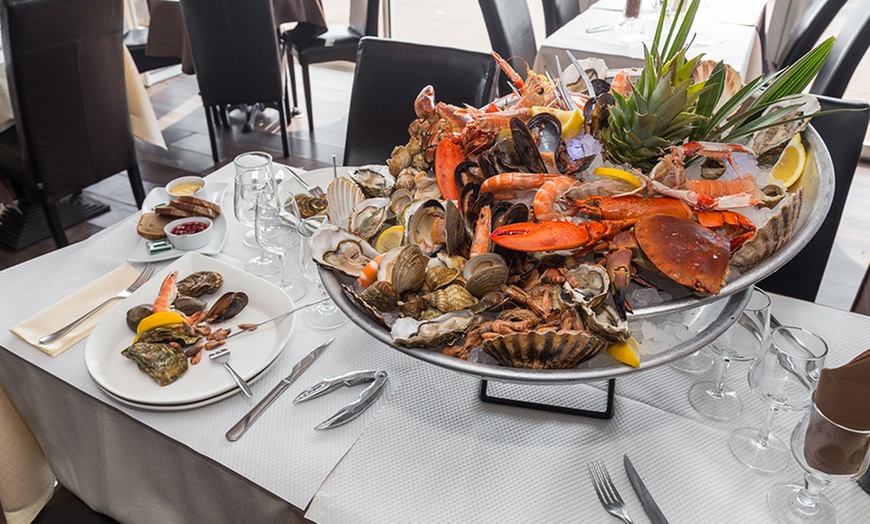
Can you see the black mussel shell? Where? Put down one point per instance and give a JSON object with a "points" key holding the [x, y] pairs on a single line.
{"points": [[200, 283], [468, 195], [485, 199], [189, 305], [597, 114], [497, 209], [526, 148], [466, 173], [504, 157], [226, 307], [548, 130], [136, 314], [486, 166], [600, 86]]}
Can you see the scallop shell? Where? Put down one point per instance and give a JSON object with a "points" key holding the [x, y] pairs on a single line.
{"points": [[343, 196], [733, 82], [375, 181], [547, 350], [445, 329], [452, 298], [773, 235], [337, 249]]}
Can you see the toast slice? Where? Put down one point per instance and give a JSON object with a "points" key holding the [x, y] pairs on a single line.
{"points": [[196, 209], [190, 199], [151, 225]]}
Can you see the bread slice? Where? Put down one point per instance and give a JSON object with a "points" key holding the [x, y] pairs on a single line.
{"points": [[190, 199], [151, 225], [173, 212], [194, 208]]}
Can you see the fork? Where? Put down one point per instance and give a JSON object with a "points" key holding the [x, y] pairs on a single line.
{"points": [[141, 279], [315, 191], [222, 356], [606, 491]]}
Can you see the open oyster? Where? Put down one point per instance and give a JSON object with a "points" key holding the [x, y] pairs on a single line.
{"points": [[430, 333], [161, 362], [375, 181], [335, 248]]}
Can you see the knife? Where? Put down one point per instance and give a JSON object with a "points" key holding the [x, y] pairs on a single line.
{"points": [[253, 327], [649, 505], [236, 432]]}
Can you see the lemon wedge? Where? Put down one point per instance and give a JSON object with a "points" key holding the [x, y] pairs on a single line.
{"points": [[163, 318], [612, 172], [625, 352], [572, 121], [390, 238], [791, 162]]}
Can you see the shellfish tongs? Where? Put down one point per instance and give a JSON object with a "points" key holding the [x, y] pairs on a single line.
{"points": [[368, 396], [141, 279]]}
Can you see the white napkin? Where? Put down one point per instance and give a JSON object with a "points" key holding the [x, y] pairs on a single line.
{"points": [[72, 307], [142, 118]]}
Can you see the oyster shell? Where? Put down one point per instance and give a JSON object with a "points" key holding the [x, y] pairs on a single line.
{"points": [[343, 196], [452, 298], [368, 216], [161, 362], [310, 206], [587, 284], [375, 181], [337, 249], [771, 236], [543, 350], [605, 322], [183, 334], [200, 283], [381, 296], [769, 143], [444, 329], [365, 306]]}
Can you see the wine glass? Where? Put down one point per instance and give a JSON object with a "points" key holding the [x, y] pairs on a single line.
{"points": [[784, 375], [632, 21], [828, 452], [740, 342], [275, 222], [696, 362]]}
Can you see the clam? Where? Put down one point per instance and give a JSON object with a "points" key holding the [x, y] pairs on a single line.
{"points": [[200, 283], [368, 216], [454, 228], [425, 226], [440, 276], [399, 200], [487, 279], [381, 296], [444, 329], [343, 196], [452, 298], [405, 268], [587, 284], [375, 181], [605, 322], [455, 261], [480, 262], [227, 306], [771, 236], [337, 249]]}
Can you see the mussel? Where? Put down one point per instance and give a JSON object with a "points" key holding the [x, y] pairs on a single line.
{"points": [[227, 306], [135, 315], [526, 147]]}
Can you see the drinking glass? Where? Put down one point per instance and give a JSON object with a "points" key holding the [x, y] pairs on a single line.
{"points": [[784, 375], [248, 185], [632, 22], [740, 342], [275, 222], [828, 452], [255, 167], [696, 362]]}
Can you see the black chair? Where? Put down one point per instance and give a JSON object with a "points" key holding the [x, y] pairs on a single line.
{"points": [[849, 49], [338, 43], [806, 32], [511, 35], [458, 76], [801, 276], [558, 12], [862, 297], [236, 56], [136, 41], [66, 84]]}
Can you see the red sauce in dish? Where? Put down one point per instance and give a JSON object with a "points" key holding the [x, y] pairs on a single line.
{"points": [[189, 228]]}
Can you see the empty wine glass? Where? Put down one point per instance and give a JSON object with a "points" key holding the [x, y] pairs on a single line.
{"points": [[740, 342], [696, 362], [325, 315], [828, 452], [248, 185], [784, 375], [275, 221]]}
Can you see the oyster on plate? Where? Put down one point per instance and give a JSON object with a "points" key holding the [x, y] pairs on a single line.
{"points": [[161, 362], [182, 334], [200, 283]]}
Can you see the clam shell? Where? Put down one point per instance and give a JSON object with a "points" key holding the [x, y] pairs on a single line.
{"points": [[430, 333], [425, 225], [440, 276], [408, 271], [487, 279], [343, 196], [480, 262], [452, 298], [337, 249], [399, 200], [773, 235], [547, 350], [455, 227]]}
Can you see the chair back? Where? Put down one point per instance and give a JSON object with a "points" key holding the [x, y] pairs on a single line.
{"points": [[558, 12], [849, 49], [364, 17], [807, 31], [65, 68], [802, 275], [511, 35], [389, 76], [235, 50]]}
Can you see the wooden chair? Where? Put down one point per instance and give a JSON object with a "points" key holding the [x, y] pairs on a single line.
{"points": [[236, 56], [802, 275], [458, 77], [511, 35], [849, 49], [559, 12], [338, 43]]}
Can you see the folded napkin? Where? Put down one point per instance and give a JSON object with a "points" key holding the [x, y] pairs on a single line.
{"points": [[72, 307], [143, 121], [843, 398]]}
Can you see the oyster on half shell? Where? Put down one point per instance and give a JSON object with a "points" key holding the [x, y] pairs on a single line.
{"points": [[337, 249], [430, 333], [375, 181]]}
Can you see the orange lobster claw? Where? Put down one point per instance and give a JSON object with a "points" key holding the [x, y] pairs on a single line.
{"points": [[448, 155], [555, 236]]}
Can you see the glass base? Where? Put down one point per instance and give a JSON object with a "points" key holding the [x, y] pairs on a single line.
{"points": [[769, 459], [325, 316], [782, 499], [719, 407], [696, 362], [263, 266], [295, 288]]}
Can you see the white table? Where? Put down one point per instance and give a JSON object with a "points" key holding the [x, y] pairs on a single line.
{"points": [[722, 34], [428, 451]]}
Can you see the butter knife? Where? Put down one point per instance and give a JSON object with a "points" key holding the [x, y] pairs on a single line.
{"points": [[649, 505], [236, 432]]}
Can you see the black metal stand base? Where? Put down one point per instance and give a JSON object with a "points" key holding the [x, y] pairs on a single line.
{"points": [[606, 414], [19, 230]]}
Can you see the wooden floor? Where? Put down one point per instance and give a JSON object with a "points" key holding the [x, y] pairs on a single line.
{"points": [[182, 119]]}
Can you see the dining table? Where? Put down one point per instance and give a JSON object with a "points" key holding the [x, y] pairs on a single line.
{"points": [[732, 32], [428, 450]]}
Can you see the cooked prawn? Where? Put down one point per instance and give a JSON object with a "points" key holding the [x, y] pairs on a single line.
{"points": [[168, 293], [480, 243], [545, 203]]}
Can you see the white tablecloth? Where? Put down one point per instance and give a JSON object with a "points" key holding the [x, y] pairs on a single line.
{"points": [[428, 451]]}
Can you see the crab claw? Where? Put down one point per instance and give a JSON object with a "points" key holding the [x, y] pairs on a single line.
{"points": [[555, 235], [620, 270]]}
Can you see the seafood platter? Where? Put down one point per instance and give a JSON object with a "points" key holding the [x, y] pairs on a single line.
{"points": [[546, 236], [149, 352]]}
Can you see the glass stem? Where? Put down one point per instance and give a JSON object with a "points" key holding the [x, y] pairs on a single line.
{"points": [[764, 433], [720, 378], [284, 277], [807, 499]]}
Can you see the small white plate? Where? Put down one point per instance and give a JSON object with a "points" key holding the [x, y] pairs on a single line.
{"points": [[251, 353], [315, 177], [157, 196]]}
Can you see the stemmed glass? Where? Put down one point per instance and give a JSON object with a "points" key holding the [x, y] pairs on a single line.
{"points": [[827, 451], [741, 342], [696, 362], [253, 178], [275, 222], [784, 375]]}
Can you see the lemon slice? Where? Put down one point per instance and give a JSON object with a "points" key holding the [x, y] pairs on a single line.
{"points": [[163, 318], [390, 238], [612, 172], [625, 352], [572, 121], [791, 162]]}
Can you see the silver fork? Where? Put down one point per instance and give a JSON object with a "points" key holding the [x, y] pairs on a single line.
{"points": [[222, 356], [141, 279], [316, 191], [606, 491]]}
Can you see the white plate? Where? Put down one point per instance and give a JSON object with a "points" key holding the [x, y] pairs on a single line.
{"points": [[315, 177], [251, 352], [215, 193]]}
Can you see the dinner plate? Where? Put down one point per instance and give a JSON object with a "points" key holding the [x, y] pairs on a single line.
{"points": [[315, 177], [251, 352], [215, 193]]}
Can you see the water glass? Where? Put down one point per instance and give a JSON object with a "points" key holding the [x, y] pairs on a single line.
{"points": [[276, 225], [255, 170], [827, 452], [784, 375]]}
